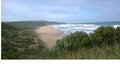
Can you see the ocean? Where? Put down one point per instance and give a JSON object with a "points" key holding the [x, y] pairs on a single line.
{"points": [[86, 27]]}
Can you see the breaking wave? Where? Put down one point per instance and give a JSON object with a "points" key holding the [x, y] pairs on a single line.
{"points": [[71, 28]]}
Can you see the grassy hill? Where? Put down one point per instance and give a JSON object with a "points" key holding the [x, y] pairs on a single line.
{"points": [[21, 44], [19, 41]]}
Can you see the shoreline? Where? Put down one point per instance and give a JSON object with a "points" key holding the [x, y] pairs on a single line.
{"points": [[48, 35]]}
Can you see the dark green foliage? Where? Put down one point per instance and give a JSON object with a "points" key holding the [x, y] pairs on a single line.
{"points": [[103, 35], [74, 41], [118, 34], [9, 27], [103, 43], [21, 44]]}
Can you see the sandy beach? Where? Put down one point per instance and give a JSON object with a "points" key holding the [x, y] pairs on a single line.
{"points": [[48, 35]]}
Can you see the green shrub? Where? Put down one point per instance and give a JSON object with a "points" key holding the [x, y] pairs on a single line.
{"points": [[103, 43], [118, 34], [72, 42], [103, 36]]}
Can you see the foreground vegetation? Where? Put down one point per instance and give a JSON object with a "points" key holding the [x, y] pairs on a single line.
{"points": [[103, 43]]}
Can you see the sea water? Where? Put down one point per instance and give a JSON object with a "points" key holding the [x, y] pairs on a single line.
{"points": [[71, 28]]}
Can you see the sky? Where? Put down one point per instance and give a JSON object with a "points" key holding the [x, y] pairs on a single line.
{"points": [[71, 11]]}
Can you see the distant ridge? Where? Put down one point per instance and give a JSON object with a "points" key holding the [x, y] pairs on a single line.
{"points": [[34, 21], [31, 24]]}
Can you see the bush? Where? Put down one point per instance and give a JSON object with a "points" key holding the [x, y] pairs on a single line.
{"points": [[103, 36], [118, 34], [102, 43], [74, 41]]}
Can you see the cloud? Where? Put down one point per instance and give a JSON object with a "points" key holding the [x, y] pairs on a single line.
{"points": [[61, 10], [14, 6]]}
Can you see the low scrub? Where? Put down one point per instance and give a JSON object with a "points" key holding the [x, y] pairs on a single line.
{"points": [[21, 44], [102, 43], [103, 35]]}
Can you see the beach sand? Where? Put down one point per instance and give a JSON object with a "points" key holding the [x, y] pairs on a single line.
{"points": [[48, 35]]}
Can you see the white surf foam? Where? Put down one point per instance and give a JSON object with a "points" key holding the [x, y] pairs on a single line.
{"points": [[71, 28]]}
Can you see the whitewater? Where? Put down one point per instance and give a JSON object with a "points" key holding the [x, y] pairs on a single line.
{"points": [[71, 28]]}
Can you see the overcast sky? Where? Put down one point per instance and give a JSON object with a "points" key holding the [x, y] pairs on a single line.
{"points": [[73, 11]]}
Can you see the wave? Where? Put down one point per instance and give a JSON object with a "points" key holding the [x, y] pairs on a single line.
{"points": [[71, 28]]}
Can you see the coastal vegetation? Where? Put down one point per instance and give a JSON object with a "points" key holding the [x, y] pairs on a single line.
{"points": [[103, 43], [21, 42]]}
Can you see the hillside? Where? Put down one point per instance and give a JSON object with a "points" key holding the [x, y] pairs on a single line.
{"points": [[21, 44]]}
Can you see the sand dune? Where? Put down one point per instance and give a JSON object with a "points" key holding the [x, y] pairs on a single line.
{"points": [[48, 35]]}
